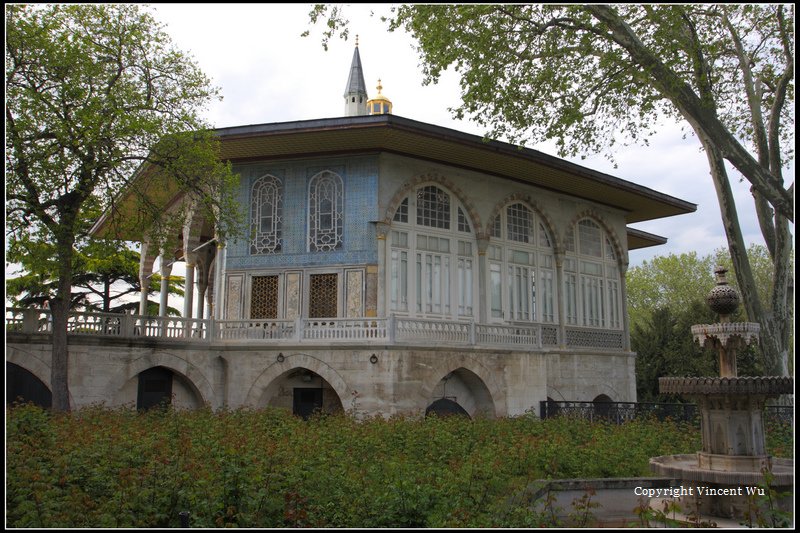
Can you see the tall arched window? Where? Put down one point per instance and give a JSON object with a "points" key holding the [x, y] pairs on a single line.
{"points": [[266, 215], [591, 278], [325, 212], [433, 254], [520, 267]]}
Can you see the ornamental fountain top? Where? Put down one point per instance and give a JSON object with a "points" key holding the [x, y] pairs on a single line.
{"points": [[734, 450]]}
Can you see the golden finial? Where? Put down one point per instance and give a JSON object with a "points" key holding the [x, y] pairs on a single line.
{"points": [[379, 87]]}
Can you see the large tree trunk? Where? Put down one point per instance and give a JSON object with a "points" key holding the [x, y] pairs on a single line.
{"points": [[59, 367], [773, 337]]}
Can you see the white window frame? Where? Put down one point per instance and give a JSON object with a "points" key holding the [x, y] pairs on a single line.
{"points": [[432, 270], [521, 284], [592, 281]]}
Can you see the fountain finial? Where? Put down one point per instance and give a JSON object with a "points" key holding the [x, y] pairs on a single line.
{"points": [[723, 298]]}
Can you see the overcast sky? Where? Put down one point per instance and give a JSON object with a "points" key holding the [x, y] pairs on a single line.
{"points": [[269, 73]]}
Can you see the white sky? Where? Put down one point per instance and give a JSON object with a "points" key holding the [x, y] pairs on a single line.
{"points": [[269, 73]]}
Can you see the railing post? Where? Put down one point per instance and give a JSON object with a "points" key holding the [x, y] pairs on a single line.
{"points": [[473, 338], [391, 327], [30, 320], [212, 330], [298, 329], [126, 325]]}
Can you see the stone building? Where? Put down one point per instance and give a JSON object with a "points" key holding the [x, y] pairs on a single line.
{"points": [[390, 266]]}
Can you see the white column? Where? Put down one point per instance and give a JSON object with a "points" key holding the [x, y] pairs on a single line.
{"points": [[145, 270], [188, 291], [562, 298], [219, 281], [483, 273], [166, 270]]}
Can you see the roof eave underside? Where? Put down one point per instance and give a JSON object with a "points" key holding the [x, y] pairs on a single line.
{"points": [[392, 134]]}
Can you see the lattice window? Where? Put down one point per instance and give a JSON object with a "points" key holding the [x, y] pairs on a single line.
{"points": [[544, 237], [589, 238], [326, 212], [266, 215], [264, 297], [519, 223], [433, 207], [401, 215], [323, 296], [463, 224], [496, 227], [610, 254]]}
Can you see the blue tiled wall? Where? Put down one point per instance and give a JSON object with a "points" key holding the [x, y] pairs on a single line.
{"points": [[360, 177]]}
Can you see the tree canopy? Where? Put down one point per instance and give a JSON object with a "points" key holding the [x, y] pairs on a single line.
{"points": [[98, 99]]}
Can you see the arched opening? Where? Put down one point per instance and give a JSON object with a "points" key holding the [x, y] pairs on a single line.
{"points": [[23, 386], [161, 386], [462, 390], [154, 389], [302, 391], [602, 405], [445, 407]]}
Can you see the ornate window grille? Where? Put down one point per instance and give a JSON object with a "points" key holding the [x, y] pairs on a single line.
{"points": [[323, 296], [266, 215], [326, 212], [433, 207], [264, 297]]}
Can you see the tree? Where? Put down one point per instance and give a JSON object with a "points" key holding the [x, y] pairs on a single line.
{"points": [[97, 100], [105, 275], [584, 75]]}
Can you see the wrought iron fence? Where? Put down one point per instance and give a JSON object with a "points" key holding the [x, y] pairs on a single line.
{"points": [[619, 412]]}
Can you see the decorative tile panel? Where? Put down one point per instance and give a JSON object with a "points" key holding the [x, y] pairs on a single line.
{"points": [[355, 294], [293, 294], [233, 310]]}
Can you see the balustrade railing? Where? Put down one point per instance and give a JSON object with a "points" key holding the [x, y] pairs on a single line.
{"points": [[383, 330]]}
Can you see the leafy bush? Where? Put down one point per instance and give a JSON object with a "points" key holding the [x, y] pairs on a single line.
{"points": [[103, 467]]}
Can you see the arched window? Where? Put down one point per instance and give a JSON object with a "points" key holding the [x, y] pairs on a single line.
{"points": [[266, 215], [521, 267], [433, 256], [326, 212], [591, 278]]}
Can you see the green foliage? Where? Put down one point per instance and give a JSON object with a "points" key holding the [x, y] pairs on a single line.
{"points": [[119, 468], [105, 275], [99, 101]]}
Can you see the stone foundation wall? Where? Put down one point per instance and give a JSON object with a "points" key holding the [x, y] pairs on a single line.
{"points": [[384, 380]]}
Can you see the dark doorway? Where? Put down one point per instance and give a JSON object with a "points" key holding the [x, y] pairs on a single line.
{"points": [[23, 386], [445, 407], [155, 388], [306, 402]]}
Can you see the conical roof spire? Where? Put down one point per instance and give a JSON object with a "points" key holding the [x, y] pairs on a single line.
{"points": [[355, 93]]}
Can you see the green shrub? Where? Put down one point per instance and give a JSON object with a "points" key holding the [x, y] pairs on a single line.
{"points": [[103, 467]]}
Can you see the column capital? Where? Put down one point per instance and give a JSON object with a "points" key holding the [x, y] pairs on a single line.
{"points": [[382, 230]]}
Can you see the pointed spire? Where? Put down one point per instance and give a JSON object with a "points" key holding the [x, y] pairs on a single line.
{"points": [[355, 93]]}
